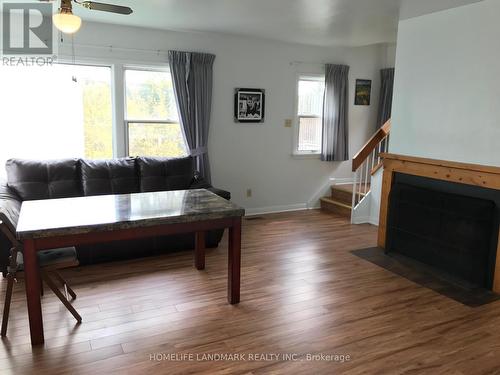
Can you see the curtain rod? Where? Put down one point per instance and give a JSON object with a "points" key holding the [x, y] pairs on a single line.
{"points": [[112, 48], [307, 62]]}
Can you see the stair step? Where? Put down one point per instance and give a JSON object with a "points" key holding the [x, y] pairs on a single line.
{"points": [[343, 193], [334, 206], [349, 187]]}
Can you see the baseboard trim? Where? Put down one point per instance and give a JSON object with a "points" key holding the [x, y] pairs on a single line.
{"points": [[364, 220], [360, 220], [277, 209], [342, 181]]}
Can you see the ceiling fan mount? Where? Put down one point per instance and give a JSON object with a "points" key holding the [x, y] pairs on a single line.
{"points": [[68, 23]]}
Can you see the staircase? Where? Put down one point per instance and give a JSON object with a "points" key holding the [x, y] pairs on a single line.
{"points": [[349, 199], [340, 199]]}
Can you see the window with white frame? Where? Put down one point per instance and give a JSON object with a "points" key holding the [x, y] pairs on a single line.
{"points": [[310, 91], [59, 111], [151, 118]]}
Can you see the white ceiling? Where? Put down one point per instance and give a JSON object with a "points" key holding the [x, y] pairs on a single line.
{"points": [[315, 22]]}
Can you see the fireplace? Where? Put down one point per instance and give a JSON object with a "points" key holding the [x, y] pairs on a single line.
{"points": [[430, 222], [443, 214]]}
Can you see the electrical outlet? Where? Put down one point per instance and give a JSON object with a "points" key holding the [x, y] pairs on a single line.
{"points": [[288, 123], [249, 193]]}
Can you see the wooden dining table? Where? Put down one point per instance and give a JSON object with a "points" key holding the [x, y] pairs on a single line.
{"points": [[54, 223]]}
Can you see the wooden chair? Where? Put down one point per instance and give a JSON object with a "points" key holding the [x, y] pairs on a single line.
{"points": [[49, 261]]}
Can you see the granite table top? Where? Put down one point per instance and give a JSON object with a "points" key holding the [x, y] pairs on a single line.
{"points": [[69, 216]]}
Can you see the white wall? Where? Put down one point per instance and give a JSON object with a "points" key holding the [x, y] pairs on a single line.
{"points": [[252, 156], [447, 86], [390, 56], [416, 8]]}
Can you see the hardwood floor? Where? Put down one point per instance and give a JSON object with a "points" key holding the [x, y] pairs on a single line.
{"points": [[302, 293]]}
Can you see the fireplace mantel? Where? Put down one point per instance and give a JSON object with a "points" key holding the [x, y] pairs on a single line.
{"points": [[461, 173]]}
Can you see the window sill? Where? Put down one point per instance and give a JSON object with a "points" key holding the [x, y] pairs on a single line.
{"points": [[306, 156]]}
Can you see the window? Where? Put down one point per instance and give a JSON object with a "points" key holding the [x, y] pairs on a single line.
{"points": [[152, 121], [59, 111], [309, 114]]}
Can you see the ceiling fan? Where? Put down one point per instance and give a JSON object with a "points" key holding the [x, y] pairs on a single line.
{"points": [[68, 23]]}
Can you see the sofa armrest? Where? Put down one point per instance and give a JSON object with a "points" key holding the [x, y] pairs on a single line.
{"points": [[221, 193], [200, 183], [10, 206]]}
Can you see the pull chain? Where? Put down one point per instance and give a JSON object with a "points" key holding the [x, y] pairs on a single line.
{"points": [[73, 55]]}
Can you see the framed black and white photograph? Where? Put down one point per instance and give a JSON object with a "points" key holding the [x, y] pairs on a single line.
{"points": [[249, 105]]}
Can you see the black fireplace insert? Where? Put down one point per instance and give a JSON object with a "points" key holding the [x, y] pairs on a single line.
{"points": [[451, 232]]}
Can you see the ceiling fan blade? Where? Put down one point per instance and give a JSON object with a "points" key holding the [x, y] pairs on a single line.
{"points": [[106, 7]]}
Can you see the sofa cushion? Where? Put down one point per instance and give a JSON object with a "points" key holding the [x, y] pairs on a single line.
{"points": [[115, 176], [52, 257], [160, 174], [33, 179]]}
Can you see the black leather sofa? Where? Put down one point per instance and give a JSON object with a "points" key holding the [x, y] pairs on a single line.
{"points": [[34, 179]]}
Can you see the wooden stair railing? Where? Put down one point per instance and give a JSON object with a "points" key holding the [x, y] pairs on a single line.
{"points": [[367, 161], [370, 146]]}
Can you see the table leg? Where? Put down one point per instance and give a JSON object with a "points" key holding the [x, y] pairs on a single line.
{"points": [[199, 251], [234, 263], [32, 281]]}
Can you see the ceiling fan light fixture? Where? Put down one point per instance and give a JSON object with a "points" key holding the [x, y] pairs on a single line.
{"points": [[66, 21]]}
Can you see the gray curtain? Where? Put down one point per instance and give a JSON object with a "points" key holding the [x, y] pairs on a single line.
{"points": [[335, 145], [192, 79], [385, 103]]}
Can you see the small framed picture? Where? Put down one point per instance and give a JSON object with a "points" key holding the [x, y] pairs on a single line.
{"points": [[249, 105], [363, 92]]}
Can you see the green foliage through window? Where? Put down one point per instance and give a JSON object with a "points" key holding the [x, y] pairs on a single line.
{"points": [[156, 140], [98, 128], [153, 128]]}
